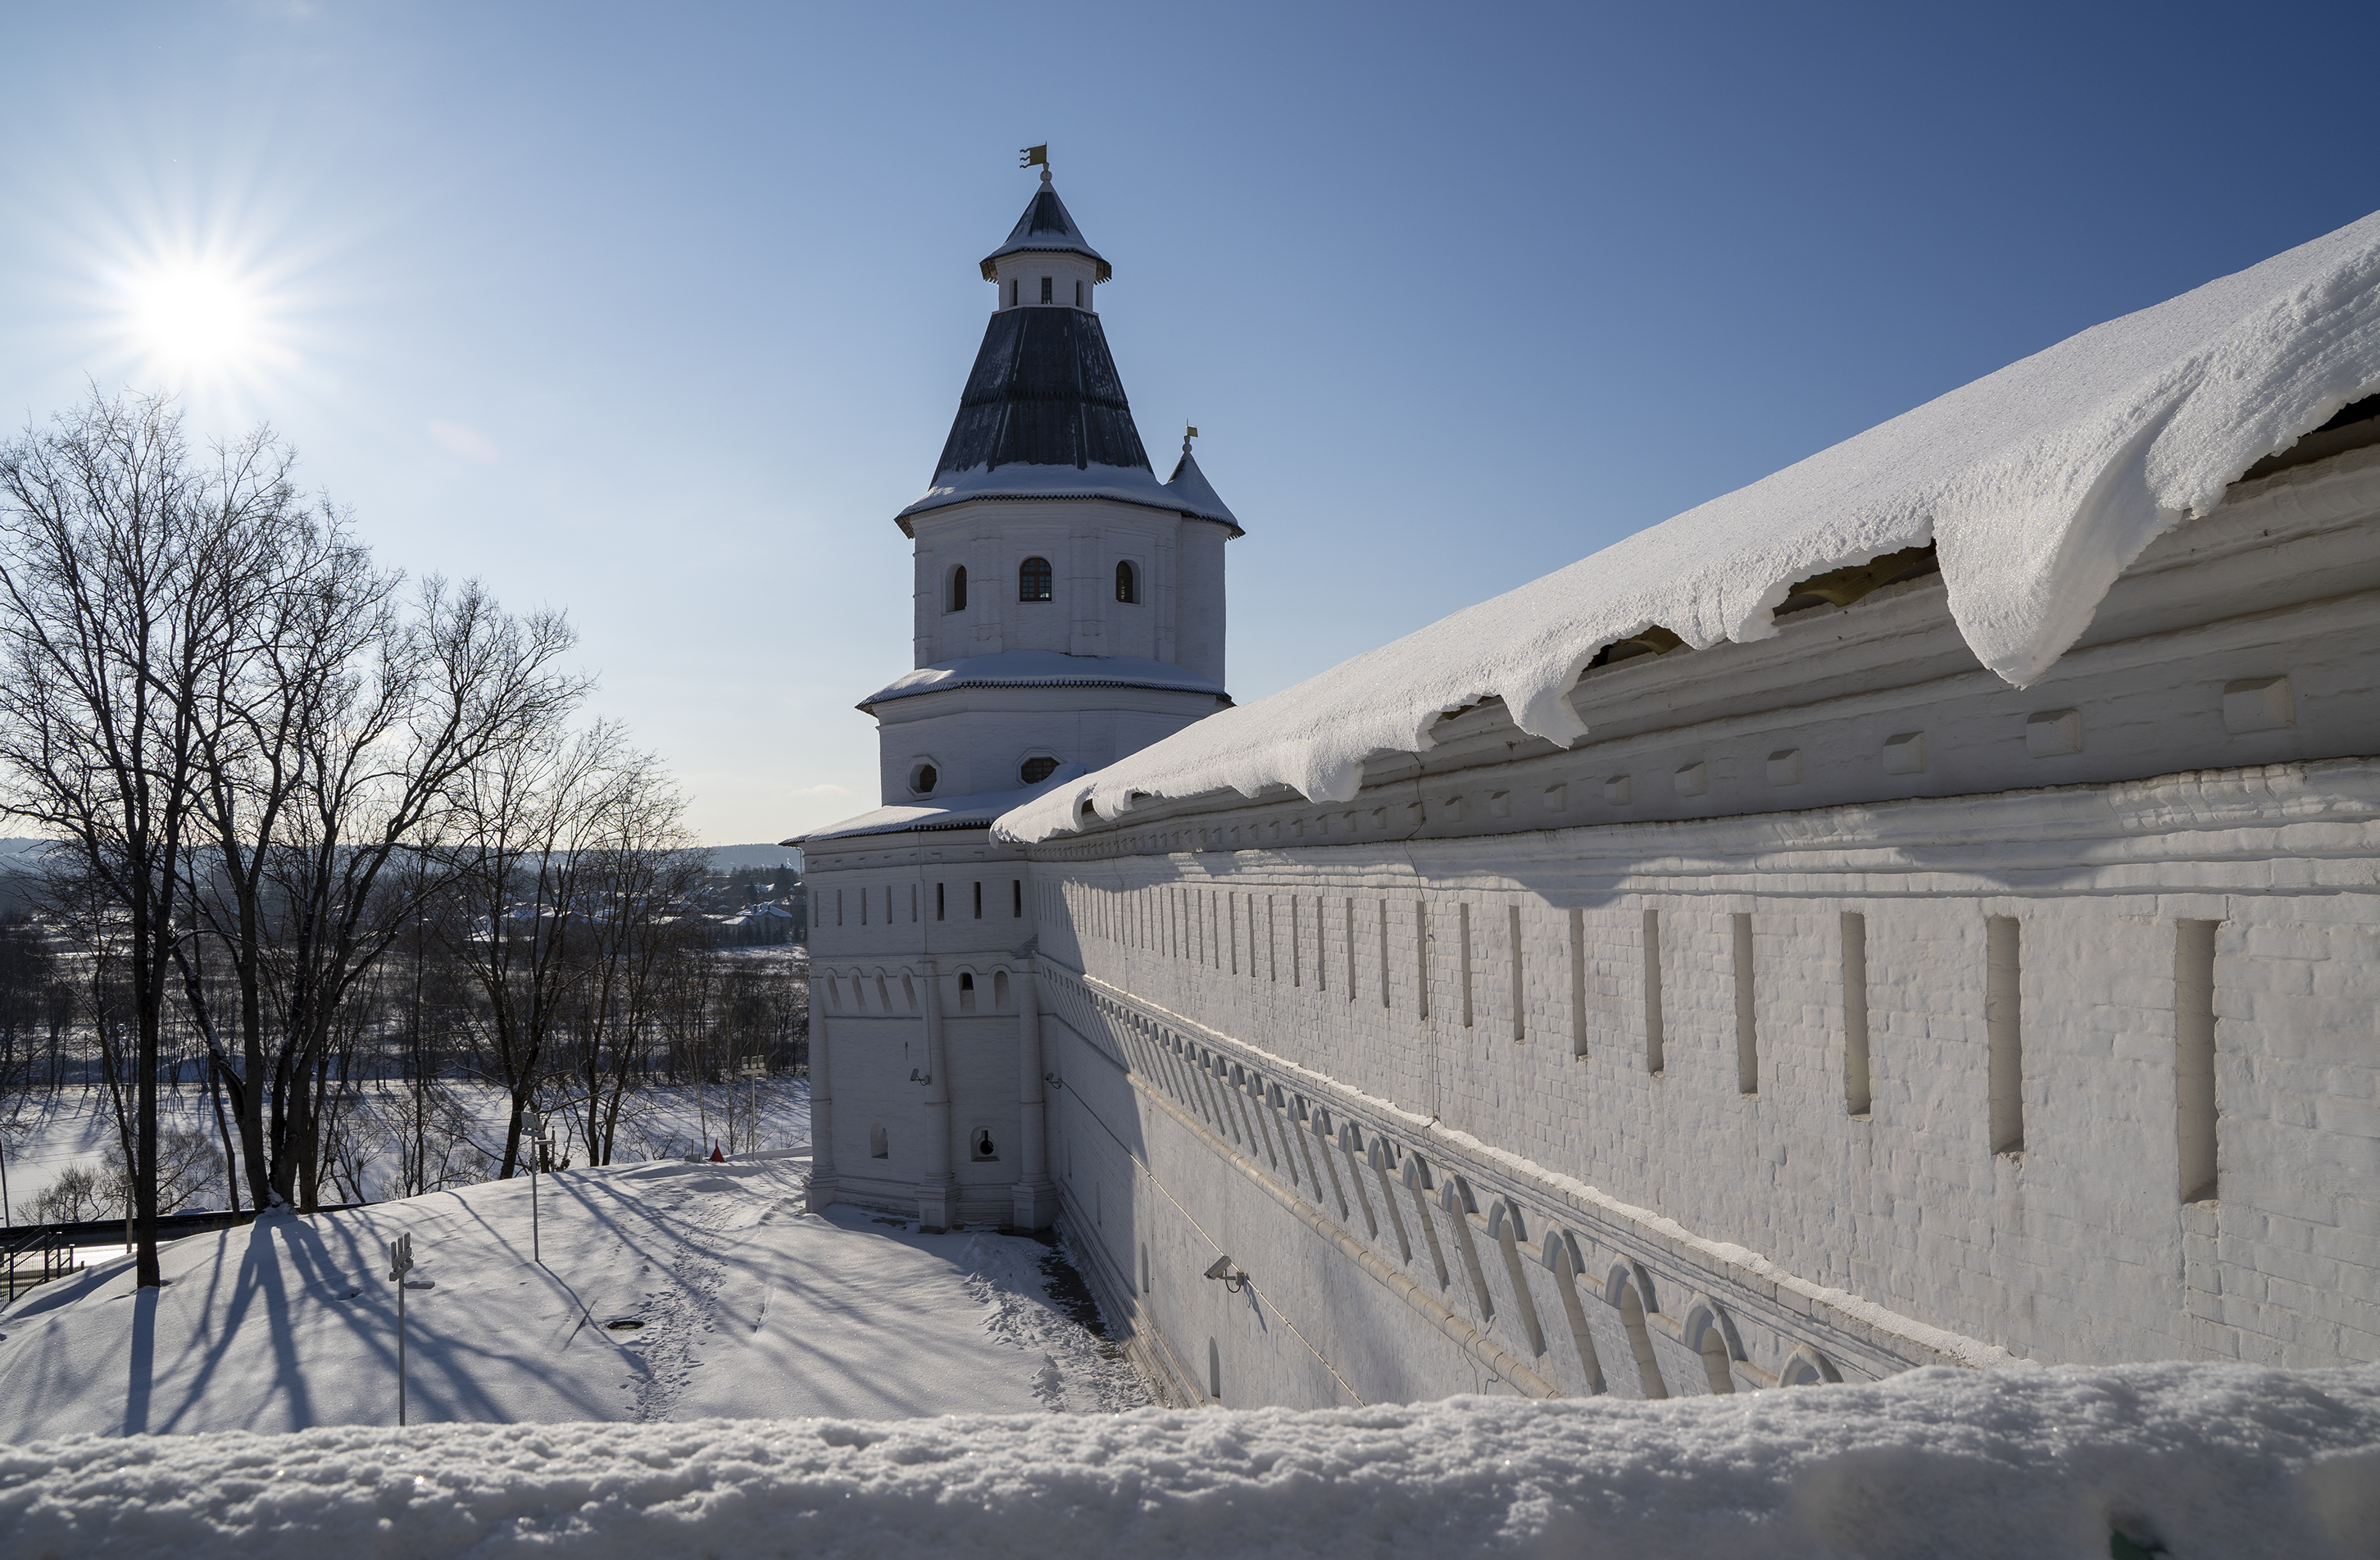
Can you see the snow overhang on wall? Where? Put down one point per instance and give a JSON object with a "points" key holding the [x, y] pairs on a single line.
{"points": [[2038, 485]]}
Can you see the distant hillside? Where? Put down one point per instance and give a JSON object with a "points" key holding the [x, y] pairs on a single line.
{"points": [[729, 858], [723, 858]]}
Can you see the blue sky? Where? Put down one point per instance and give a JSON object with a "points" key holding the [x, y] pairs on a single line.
{"points": [[658, 314]]}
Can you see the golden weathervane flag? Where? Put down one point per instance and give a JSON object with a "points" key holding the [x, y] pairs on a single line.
{"points": [[1035, 154]]}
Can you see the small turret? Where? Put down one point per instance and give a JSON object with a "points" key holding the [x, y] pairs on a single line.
{"points": [[1047, 262]]}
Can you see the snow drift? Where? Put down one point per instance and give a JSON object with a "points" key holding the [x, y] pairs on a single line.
{"points": [[2181, 1459], [2038, 484]]}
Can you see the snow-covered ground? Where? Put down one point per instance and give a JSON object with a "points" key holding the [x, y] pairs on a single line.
{"points": [[54, 1133], [745, 1304], [2180, 1459]]}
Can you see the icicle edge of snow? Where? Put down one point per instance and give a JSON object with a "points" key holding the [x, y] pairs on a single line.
{"points": [[2038, 484]]}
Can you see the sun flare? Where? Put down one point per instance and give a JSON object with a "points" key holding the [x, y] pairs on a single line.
{"points": [[194, 317]]}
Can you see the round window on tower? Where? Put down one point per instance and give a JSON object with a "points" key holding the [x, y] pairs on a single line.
{"points": [[923, 779], [1037, 768]]}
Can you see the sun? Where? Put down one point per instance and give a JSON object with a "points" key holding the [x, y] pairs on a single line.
{"points": [[195, 318]]}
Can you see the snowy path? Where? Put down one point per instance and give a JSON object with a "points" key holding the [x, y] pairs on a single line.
{"points": [[748, 1307]]}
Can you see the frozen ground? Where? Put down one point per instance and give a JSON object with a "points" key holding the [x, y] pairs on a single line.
{"points": [[746, 1306], [2180, 1461]]}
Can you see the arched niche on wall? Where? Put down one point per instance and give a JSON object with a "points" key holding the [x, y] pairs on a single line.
{"points": [[966, 991], [1559, 1250], [1806, 1367], [1454, 1197], [1000, 990], [1710, 1332], [1631, 1293], [1506, 1228], [1417, 1182]]}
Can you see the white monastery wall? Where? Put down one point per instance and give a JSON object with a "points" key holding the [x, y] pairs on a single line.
{"points": [[1662, 1070]]}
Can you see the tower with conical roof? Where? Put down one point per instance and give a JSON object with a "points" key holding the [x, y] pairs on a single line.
{"points": [[1068, 610]]}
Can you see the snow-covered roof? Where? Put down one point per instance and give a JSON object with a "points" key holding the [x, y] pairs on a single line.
{"points": [[2037, 484], [1042, 669], [1123, 484], [1194, 495], [1046, 228], [973, 811]]}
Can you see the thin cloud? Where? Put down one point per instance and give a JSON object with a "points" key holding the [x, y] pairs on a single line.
{"points": [[466, 442]]}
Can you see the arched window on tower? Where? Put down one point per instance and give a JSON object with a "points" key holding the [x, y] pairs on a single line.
{"points": [[1127, 583], [1033, 580], [958, 589]]}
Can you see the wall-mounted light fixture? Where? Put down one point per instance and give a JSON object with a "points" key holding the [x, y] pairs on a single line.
{"points": [[916, 1076], [1054, 1080], [1229, 1274]]}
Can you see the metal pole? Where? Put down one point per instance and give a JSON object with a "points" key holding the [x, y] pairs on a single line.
{"points": [[400, 1262]]}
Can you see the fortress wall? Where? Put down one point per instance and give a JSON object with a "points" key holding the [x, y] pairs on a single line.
{"points": [[2077, 1248], [1623, 986]]}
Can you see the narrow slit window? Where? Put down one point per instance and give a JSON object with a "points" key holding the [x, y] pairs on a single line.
{"points": [[1047, 297], [1520, 1005], [1033, 580], [1747, 1023], [1463, 920], [1078, 292], [1859, 1096], [958, 589], [938, 901], [1298, 951], [1016, 900], [1652, 1036], [2004, 1029], [1127, 584], [838, 906], [1578, 983], [1012, 292], [1421, 957], [1384, 953], [2193, 1038]]}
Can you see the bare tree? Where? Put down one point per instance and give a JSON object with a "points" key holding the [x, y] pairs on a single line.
{"points": [[341, 761], [532, 822], [131, 572], [634, 879]]}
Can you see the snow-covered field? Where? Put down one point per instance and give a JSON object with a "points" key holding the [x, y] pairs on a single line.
{"points": [[54, 1133], [746, 1306], [2180, 1461]]}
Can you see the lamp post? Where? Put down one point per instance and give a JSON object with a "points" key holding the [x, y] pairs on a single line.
{"points": [[400, 1262]]}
